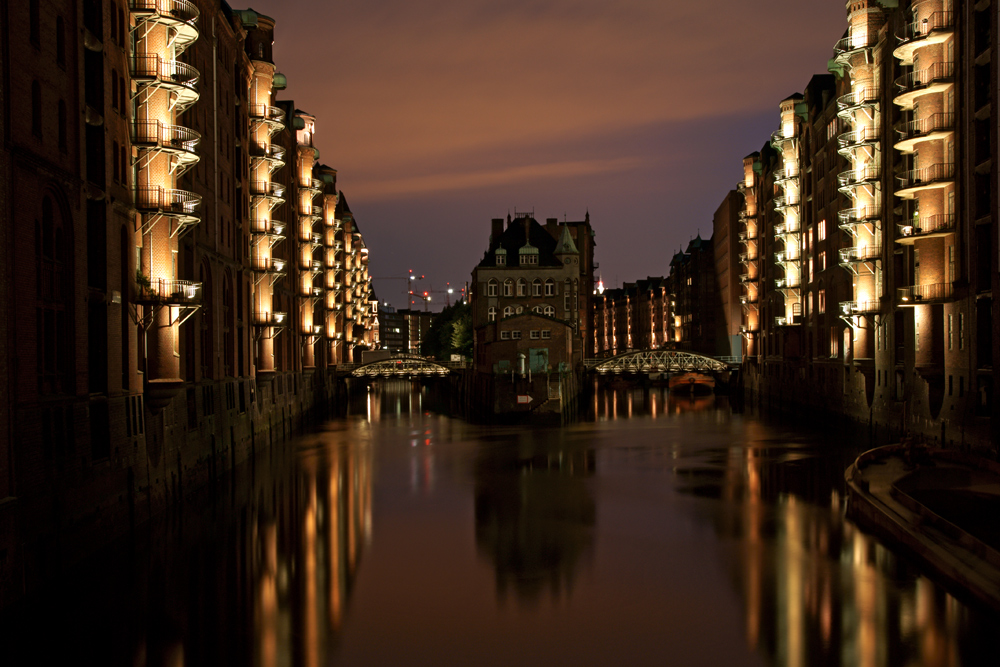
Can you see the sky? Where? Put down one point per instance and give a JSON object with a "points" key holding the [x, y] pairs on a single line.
{"points": [[440, 115]]}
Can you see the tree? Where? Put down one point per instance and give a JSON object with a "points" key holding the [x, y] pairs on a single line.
{"points": [[450, 333]]}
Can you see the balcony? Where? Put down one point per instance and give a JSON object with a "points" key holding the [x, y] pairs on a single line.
{"points": [[860, 138], [268, 265], [848, 180], [169, 292], [748, 300], [786, 257], [860, 254], [786, 228], [788, 283], [311, 185], [179, 78], [852, 308], [272, 154], [925, 228], [933, 29], [848, 46], [178, 141], [264, 318], [273, 117], [746, 278], [848, 218], [786, 174], [269, 191], [866, 96], [745, 236], [928, 178], [179, 204], [934, 127], [786, 201], [935, 79], [179, 15], [917, 295], [780, 142]]}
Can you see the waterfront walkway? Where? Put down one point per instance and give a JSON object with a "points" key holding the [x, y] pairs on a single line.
{"points": [[941, 505]]}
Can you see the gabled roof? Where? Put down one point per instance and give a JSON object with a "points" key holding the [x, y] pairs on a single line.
{"points": [[513, 239], [566, 245]]}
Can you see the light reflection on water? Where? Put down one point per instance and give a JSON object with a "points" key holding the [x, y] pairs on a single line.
{"points": [[660, 529]]}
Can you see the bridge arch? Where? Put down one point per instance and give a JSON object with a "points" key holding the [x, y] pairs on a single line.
{"points": [[657, 361], [406, 365]]}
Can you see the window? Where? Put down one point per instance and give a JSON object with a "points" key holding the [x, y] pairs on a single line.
{"points": [[491, 315], [951, 332], [534, 334], [821, 301], [508, 311], [537, 309], [60, 42], [961, 331], [501, 258], [821, 230], [492, 287], [536, 287], [550, 311], [36, 109], [114, 160], [811, 272], [508, 287], [822, 261], [114, 88], [519, 309], [951, 263], [504, 335], [61, 115], [522, 287], [546, 334], [516, 335], [831, 129], [550, 287]]}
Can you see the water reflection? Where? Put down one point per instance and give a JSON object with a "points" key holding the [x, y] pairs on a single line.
{"points": [[535, 514], [622, 401]]}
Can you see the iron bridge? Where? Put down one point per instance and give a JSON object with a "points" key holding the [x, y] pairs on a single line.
{"points": [[404, 365], [658, 361]]}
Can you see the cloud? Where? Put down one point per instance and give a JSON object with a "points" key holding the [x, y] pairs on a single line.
{"points": [[473, 180]]}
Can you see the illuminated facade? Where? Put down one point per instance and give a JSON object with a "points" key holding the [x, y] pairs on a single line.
{"points": [[877, 300], [167, 312], [633, 317]]}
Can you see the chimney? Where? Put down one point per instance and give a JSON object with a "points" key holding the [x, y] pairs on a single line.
{"points": [[496, 230]]}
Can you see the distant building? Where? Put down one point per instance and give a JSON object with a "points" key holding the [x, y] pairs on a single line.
{"points": [[633, 317], [531, 295], [696, 307]]}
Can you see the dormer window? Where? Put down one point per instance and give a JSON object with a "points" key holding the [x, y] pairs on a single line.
{"points": [[501, 256]]}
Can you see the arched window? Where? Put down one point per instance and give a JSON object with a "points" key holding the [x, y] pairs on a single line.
{"points": [[491, 314], [522, 287], [492, 287], [508, 311], [550, 311], [508, 287], [537, 309], [536, 287], [519, 309], [550, 287]]}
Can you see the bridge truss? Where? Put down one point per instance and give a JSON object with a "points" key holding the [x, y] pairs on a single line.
{"points": [[656, 361], [402, 366]]}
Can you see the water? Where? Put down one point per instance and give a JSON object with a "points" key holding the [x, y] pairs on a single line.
{"points": [[661, 531]]}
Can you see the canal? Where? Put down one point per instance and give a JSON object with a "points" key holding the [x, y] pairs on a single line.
{"points": [[656, 531]]}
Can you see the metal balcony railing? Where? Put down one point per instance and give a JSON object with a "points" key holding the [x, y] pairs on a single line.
{"points": [[849, 217], [266, 112], [786, 200], [917, 294], [272, 152], [917, 30], [849, 308], [147, 68], [914, 129], [865, 136], [866, 95], [785, 228], [855, 42], [788, 283], [779, 140], [168, 202], [169, 292], [268, 189], [177, 10], [864, 253], [267, 265], [786, 174], [932, 224], [264, 318], [936, 173], [153, 133], [937, 73], [870, 173]]}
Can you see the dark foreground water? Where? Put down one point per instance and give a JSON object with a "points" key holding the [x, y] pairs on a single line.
{"points": [[663, 532]]}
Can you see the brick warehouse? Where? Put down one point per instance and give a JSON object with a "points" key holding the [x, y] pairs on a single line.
{"points": [[869, 258], [182, 272]]}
